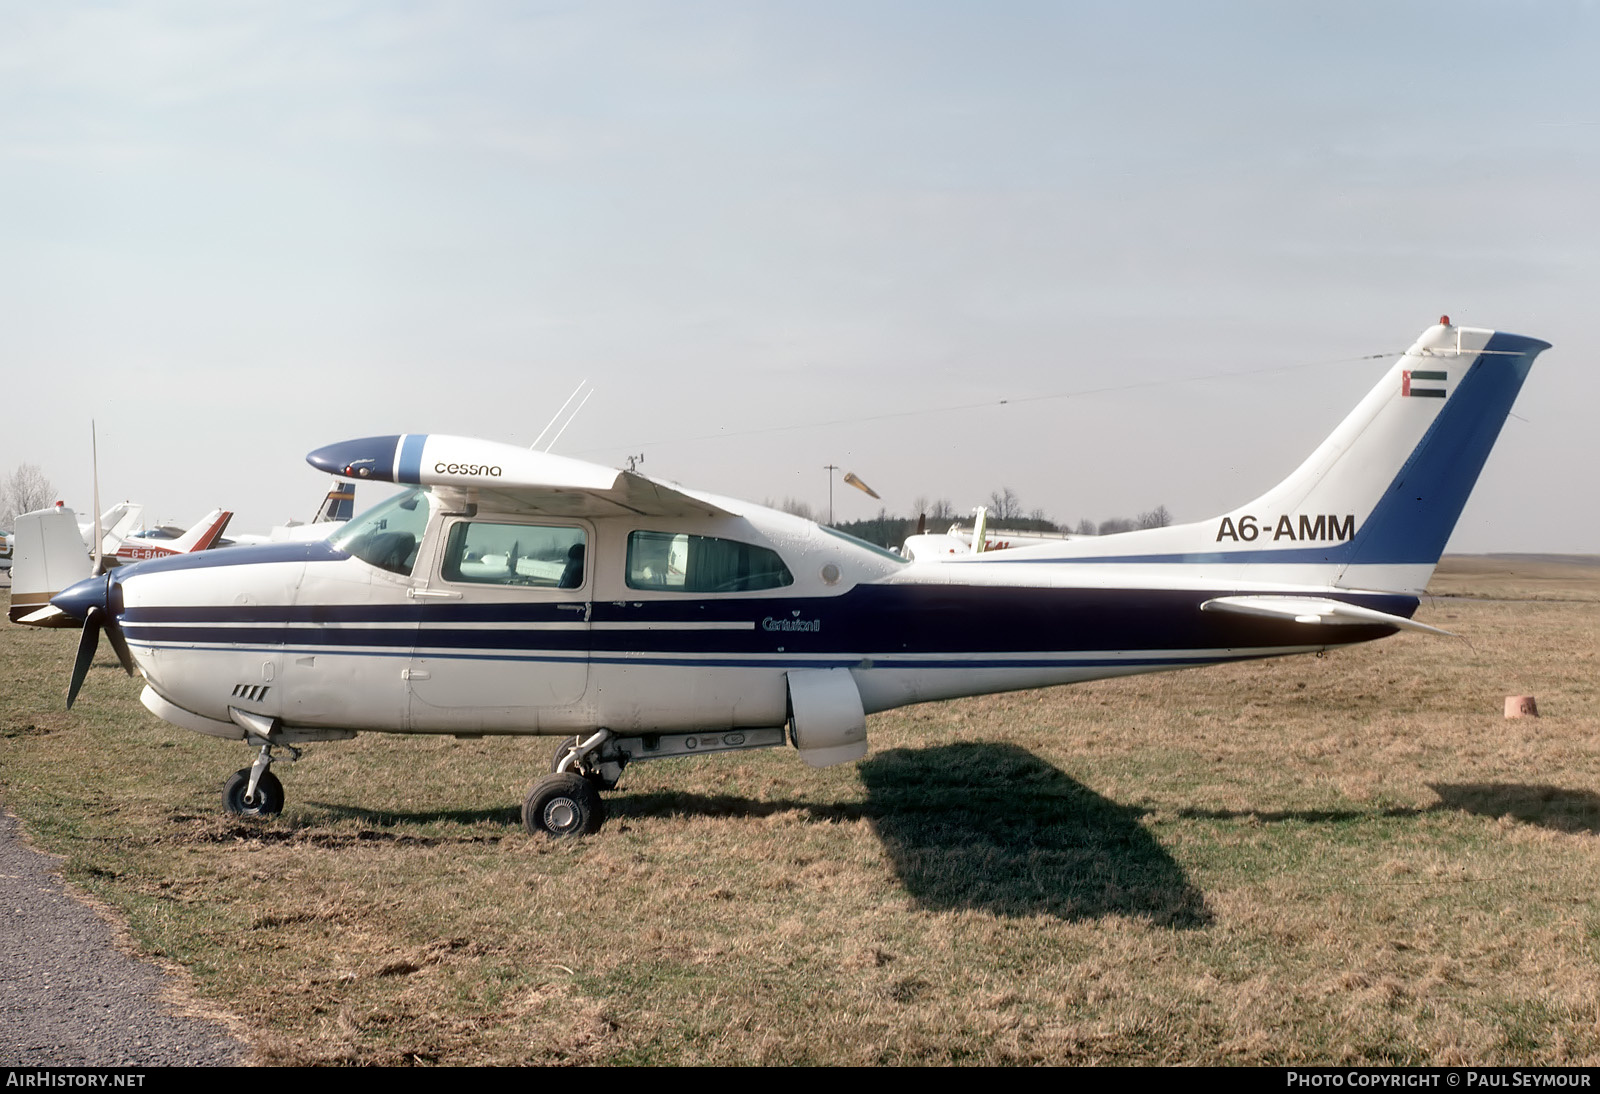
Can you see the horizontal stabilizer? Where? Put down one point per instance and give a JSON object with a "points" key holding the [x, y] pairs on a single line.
{"points": [[46, 616], [1315, 609]]}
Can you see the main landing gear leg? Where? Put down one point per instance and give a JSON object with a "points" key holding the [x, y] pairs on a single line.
{"points": [[567, 801], [255, 791]]}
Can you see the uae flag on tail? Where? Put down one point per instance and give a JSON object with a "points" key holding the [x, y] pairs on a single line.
{"points": [[1411, 377]]}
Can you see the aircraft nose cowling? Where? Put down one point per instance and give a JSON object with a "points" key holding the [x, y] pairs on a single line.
{"points": [[91, 592]]}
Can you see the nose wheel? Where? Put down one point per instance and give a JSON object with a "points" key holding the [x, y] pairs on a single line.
{"points": [[266, 801]]}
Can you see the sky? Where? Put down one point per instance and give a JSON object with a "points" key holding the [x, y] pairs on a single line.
{"points": [[777, 236]]}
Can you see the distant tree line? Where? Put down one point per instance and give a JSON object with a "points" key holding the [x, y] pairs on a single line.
{"points": [[1150, 518], [23, 491]]}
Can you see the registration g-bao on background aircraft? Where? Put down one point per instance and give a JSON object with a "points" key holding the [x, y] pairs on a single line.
{"points": [[517, 592]]}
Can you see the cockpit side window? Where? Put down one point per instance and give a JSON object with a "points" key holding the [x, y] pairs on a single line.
{"points": [[481, 552], [387, 536], [681, 563]]}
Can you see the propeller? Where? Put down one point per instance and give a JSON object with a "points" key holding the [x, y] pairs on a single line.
{"points": [[100, 616], [99, 533], [850, 478]]}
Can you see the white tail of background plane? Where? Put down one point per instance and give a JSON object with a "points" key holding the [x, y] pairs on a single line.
{"points": [[47, 556], [1373, 506], [116, 524], [50, 556]]}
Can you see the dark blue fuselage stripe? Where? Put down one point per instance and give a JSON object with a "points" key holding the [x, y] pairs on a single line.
{"points": [[902, 620], [656, 661]]}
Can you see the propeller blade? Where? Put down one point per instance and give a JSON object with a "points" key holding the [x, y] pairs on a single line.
{"points": [[850, 478], [120, 644], [99, 533], [88, 642], [113, 624]]}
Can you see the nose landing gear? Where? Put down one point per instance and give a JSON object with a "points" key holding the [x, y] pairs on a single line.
{"points": [[239, 800], [255, 791]]}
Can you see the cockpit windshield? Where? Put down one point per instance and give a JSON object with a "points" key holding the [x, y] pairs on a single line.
{"points": [[881, 552], [388, 535]]}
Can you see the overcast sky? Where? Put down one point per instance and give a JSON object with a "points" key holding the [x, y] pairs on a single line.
{"points": [[776, 236]]}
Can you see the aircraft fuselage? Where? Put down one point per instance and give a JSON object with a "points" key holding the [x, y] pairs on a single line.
{"points": [[318, 637]]}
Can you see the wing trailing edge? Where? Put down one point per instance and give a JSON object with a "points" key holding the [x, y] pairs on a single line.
{"points": [[1316, 610]]}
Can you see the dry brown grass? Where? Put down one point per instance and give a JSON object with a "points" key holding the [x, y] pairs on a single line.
{"points": [[1348, 859], [1518, 577]]}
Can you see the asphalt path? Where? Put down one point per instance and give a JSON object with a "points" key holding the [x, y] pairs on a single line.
{"points": [[70, 997]]}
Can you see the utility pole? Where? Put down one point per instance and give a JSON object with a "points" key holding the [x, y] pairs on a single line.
{"points": [[830, 468]]}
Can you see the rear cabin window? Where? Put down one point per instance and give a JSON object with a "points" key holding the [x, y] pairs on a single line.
{"points": [[530, 555], [681, 563]]}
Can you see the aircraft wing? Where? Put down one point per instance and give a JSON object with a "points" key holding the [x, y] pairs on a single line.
{"points": [[1315, 609], [629, 493], [508, 477]]}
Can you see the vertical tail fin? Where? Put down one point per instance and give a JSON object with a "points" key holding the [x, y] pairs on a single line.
{"points": [[204, 534], [1373, 506], [47, 556], [1379, 498], [339, 505], [116, 524]]}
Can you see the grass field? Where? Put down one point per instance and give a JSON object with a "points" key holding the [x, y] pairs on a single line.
{"points": [[1349, 859]]}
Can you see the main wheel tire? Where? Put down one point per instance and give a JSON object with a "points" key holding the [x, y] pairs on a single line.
{"points": [[267, 802], [563, 805]]}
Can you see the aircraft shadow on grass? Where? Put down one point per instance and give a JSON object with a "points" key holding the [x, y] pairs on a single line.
{"points": [[1552, 807], [380, 827], [389, 818], [988, 827], [991, 827]]}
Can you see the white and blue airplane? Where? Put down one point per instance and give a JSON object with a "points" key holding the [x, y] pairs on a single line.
{"points": [[511, 591]]}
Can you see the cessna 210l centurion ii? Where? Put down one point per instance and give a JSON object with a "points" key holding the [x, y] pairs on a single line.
{"points": [[517, 592]]}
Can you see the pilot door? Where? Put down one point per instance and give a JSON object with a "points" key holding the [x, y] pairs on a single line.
{"points": [[503, 629]]}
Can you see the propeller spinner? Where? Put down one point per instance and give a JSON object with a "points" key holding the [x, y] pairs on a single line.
{"points": [[98, 602]]}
